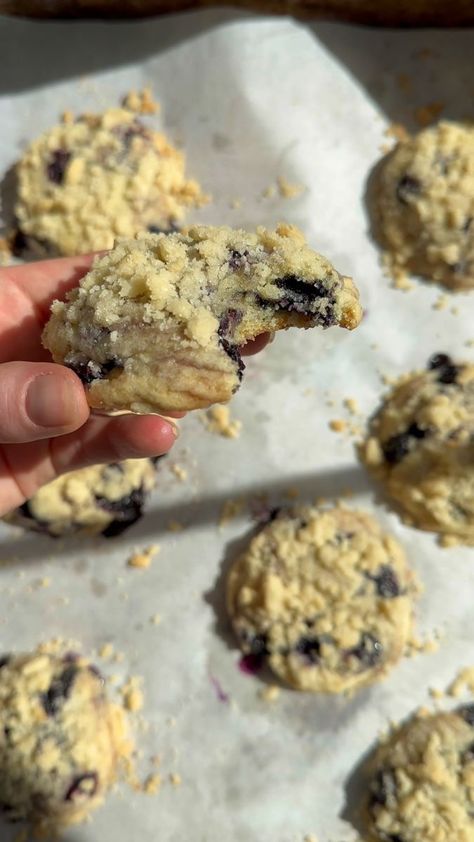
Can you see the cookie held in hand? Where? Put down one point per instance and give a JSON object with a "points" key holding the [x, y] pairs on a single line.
{"points": [[157, 323]]}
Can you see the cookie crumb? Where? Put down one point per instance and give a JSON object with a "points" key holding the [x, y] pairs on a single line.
{"points": [[441, 302], [106, 651], [179, 472], [132, 694], [175, 779], [141, 102], [463, 681], [143, 558], [287, 190], [397, 132], [217, 420], [67, 117], [235, 204], [416, 645], [351, 405], [156, 619], [175, 526], [269, 192], [427, 114], [152, 784], [338, 425], [310, 837], [270, 693], [435, 693], [292, 492], [230, 510]]}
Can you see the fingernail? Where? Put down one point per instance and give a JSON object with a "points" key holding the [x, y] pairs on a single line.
{"points": [[50, 401], [173, 424]]}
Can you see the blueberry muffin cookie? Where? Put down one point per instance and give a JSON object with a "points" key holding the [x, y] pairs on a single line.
{"points": [[324, 598], [424, 205], [421, 447], [421, 781], [61, 740], [104, 499], [156, 324], [87, 181]]}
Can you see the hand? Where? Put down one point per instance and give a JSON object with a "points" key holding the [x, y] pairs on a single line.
{"points": [[45, 423]]}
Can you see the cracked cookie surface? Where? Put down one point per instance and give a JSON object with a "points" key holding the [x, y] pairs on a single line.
{"points": [[157, 323], [61, 740], [421, 447], [84, 183], [424, 205], [323, 597], [421, 781], [104, 499]]}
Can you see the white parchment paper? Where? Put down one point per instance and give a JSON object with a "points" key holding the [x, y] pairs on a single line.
{"points": [[250, 98]]}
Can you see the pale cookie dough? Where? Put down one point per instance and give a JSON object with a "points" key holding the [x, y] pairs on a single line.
{"points": [[324, 597], [156, 325], [421, 782], [421, 447], [424, 205], [83, 183], [61, 740], [104, 499]]}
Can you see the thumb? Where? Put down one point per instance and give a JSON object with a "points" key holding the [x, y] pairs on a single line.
{"points": [[39, 400]]}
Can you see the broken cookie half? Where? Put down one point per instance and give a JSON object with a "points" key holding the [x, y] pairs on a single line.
{"points": [[157, 324]]}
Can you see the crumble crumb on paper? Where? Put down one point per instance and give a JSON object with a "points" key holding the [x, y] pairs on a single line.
{"points": [[351, 405], [142, 558], [235, 204], [230, 510], [337, 425], [106, 651], [132, 694], [175, 526], [270, 693], [152, 784], [179, 472], [463, 681], [141, 102], [287, 190], [441, 302], [217, 420], [427, 646], [269, 192], [175, 779]]}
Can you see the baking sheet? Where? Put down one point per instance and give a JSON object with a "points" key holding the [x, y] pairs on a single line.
{"points": [[251, 98]]}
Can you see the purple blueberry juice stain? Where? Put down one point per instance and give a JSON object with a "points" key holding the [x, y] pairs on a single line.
{"points": [[221, 695], [251, 664]]}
